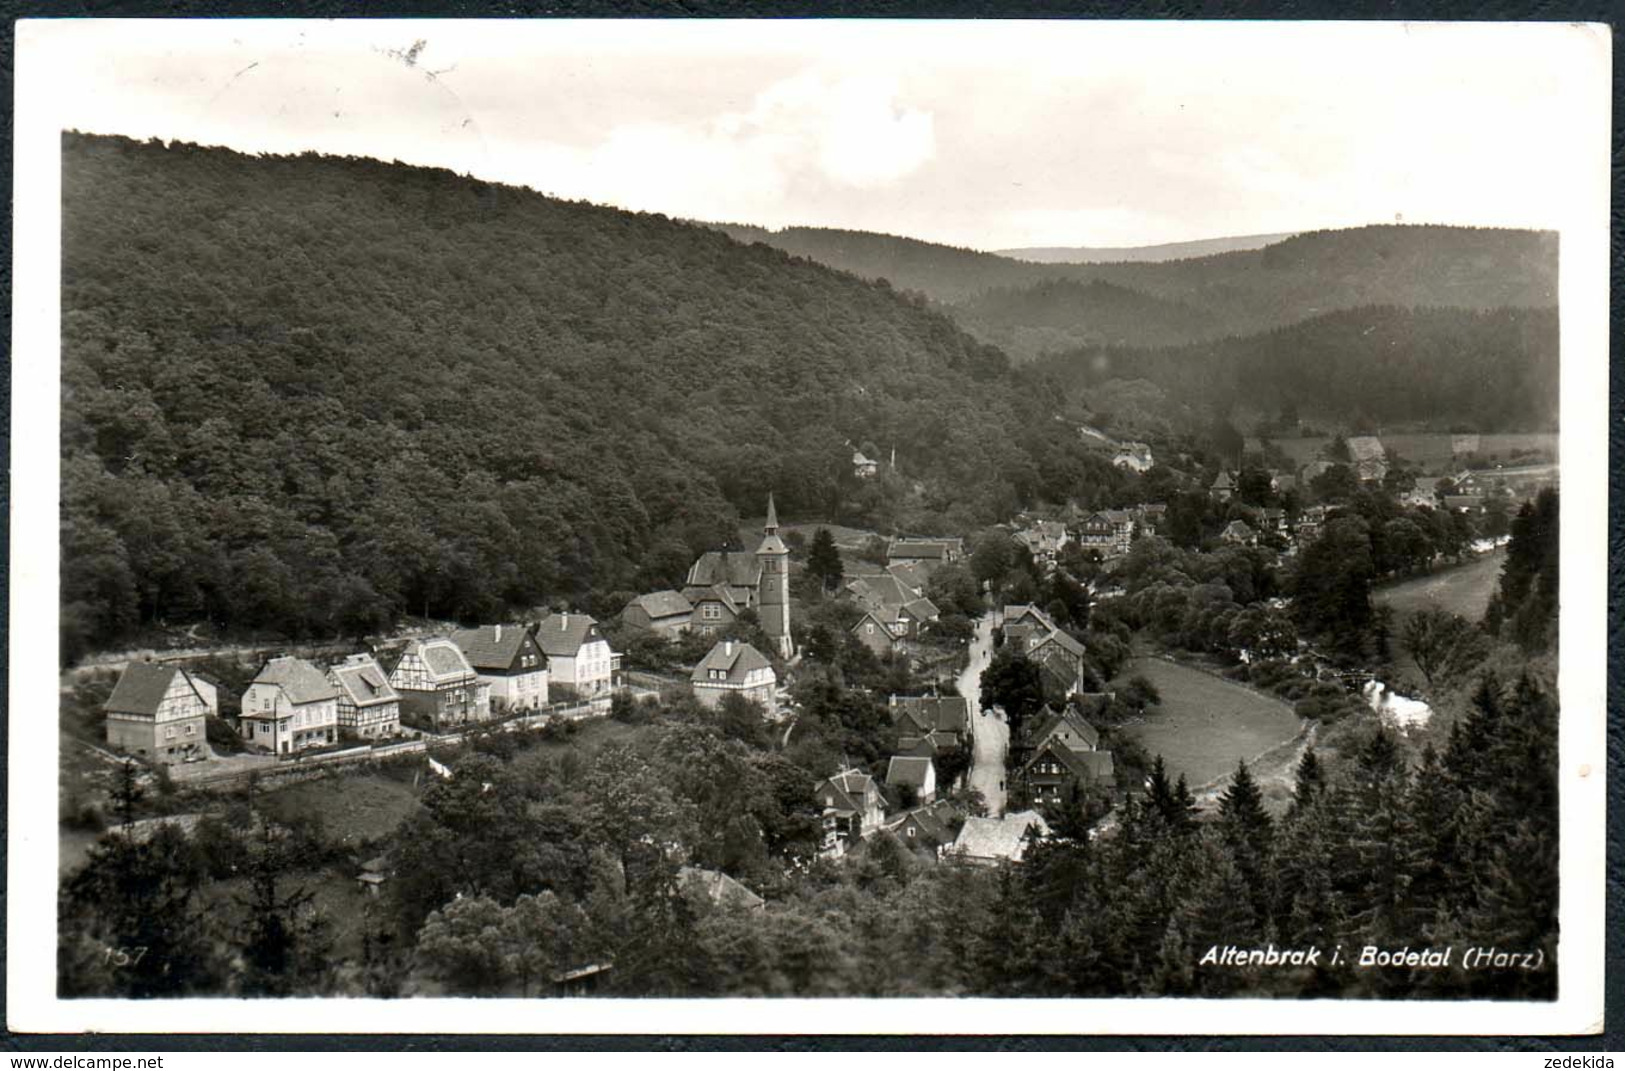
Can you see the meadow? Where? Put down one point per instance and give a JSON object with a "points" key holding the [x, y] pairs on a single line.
{"points": [[1205, 724]]}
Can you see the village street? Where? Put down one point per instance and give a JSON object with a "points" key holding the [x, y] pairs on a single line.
{"points": [[991, 734]]}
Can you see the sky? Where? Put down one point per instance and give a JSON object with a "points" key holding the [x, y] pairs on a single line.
{"points": [[988, 135]]}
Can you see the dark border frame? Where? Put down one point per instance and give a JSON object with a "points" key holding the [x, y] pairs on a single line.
{"points": [[1446, 10]]}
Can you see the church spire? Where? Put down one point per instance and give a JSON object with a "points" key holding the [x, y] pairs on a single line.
{"points": [[772, 525]]}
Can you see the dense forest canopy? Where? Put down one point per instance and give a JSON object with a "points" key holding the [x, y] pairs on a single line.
{"points": [[1238, 292], [309, 393], [1492, 370]]}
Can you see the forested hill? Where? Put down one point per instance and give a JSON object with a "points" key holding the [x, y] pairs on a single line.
{"points": [[1492, 371], [1238, 292], [306, 393]]}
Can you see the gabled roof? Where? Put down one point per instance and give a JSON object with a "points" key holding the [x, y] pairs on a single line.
{"points": [[914, 576], [1223, 481], [1059, 639], [922, 610], [1017, 612], [947, 713], [998, 838], [1084, 765], [907, 770], [881, 593], [1052, 723], [849, 788], [491, 646], [1240, 528], [1366, 448], [300, 681], [658, 604], [362, 681], [562, 635], [737, 660], [718, 887], [142, 686], [870, 615], [715, 593], [736, 568]]}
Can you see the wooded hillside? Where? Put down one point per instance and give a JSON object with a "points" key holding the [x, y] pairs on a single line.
{"points": [[1237, 293], [307, 393], [1492, 371]]}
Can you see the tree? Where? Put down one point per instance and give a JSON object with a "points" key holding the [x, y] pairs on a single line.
{"points": [[131, 923], [1431, 635], [824, 560], [1013, 683], [1140, 693]]}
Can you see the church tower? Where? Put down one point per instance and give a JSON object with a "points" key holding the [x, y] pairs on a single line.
{"points": [[773, 604]]}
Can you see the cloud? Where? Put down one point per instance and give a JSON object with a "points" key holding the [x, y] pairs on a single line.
{"points": [[800, 134]]}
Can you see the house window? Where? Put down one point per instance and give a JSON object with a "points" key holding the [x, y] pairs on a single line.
{"points": [[191, 730], [711, 611], [911, 831]]}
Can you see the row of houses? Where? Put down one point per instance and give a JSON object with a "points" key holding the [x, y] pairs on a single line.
{"points": [[158, 711], [854, 803]]}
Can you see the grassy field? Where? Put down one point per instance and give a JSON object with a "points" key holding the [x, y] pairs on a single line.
{"points": [[354, 809], [1463, 590], [1205, 725]]}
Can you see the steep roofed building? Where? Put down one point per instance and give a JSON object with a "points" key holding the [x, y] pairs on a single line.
{"points": [[157, 712]]}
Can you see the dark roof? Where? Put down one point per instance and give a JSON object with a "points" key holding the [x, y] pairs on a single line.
{"points": [[907, 770], [717, 592], [660, 604], [562, 635], [488, 648], [923, 549], [736, 568], [362, 680], [849, 787], [300, 681], [735, 658], [141, 688], [1085, 765], [950, 713]]}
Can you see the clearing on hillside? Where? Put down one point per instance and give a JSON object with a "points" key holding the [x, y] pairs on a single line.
{"points": [[1205, 725]]}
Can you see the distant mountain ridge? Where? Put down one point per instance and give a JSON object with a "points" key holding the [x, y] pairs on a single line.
{"points": [[1235, 293], [1134, 254]]}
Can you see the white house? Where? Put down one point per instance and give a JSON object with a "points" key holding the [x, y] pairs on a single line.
{"points": [[577, 655], [731, 666], [289, 706]]}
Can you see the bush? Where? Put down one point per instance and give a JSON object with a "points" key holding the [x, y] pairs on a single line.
{"points": [[222, 737]]}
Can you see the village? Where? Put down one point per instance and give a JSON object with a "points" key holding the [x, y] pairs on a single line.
{"points": [[959, 778]]}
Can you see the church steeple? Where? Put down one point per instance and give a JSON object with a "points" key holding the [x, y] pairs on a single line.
{"points": [[773, 602]]}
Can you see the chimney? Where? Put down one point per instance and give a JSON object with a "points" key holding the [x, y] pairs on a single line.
{"points": [[564, 622], [728, 648], [498, 637]]}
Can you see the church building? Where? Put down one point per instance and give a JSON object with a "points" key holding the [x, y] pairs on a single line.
{"points": [[722, 584]]}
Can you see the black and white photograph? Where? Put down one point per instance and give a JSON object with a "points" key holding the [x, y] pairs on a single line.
{"points": [[735, 513]]}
